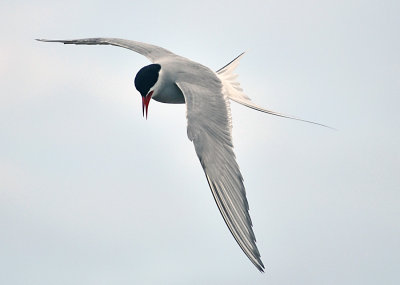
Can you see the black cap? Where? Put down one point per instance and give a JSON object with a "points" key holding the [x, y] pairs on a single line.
{"points": [[147, 78]]}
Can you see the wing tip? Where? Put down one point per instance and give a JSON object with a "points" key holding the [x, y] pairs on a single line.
{"points": [[50, 41], [256, 260], [261, 267], [252, 252]]}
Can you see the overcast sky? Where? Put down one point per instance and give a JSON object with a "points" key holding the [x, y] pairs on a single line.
{"points": [[92, 193]]}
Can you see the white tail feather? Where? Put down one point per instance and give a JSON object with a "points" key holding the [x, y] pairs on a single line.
{"points": [[232, 89]]}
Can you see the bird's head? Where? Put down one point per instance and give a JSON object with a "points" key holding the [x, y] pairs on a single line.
{"points": [[145, 83]]}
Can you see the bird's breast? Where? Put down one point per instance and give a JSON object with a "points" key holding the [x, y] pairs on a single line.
{"points": [[169, 93]]}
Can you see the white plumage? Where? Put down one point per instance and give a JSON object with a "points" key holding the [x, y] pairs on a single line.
{"points": [[206, 94]]}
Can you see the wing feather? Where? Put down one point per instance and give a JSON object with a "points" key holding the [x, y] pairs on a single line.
{"points": [[209, 127], [152, 52]]}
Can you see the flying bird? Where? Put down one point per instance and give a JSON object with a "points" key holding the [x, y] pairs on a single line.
{"points": [[175, 79]]}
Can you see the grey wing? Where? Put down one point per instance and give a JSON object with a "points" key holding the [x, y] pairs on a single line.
{"points": [[152, 52], [209, 127]]}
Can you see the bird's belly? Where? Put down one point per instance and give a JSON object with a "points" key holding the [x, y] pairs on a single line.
{"points": [[170, 94]]}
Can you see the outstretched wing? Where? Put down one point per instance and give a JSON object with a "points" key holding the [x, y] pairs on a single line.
{"points": [[209, 127], [152, 52]]}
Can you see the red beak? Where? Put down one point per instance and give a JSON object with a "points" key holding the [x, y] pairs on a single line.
{"points": [[145, 102]]}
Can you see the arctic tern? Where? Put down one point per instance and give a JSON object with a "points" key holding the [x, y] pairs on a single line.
{"points": [[174, 79]]}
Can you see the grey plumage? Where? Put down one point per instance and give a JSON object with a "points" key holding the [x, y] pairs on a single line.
{"points": [[206, 94]]}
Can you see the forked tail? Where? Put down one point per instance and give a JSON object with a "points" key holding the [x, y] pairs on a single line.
{"points": [[234, 92]]}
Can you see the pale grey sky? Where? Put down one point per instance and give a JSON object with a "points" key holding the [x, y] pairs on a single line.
{"points": [[91, 193]]}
